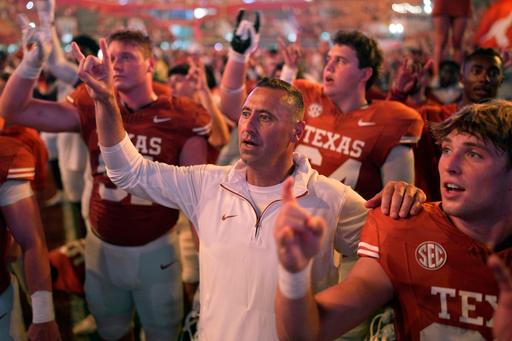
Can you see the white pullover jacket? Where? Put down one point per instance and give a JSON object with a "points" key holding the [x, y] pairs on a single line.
{"points": [[237, 256]]}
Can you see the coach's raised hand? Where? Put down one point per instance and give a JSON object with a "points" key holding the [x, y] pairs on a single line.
{"points": [[298, 234]]}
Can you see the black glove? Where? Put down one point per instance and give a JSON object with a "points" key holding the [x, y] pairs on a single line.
{"points": [[245, 35]]}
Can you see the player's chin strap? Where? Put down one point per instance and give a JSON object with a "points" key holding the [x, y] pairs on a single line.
{"points": [[384, 331], [189, 331]]}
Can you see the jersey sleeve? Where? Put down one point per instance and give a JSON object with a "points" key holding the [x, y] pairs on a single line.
{"points": [[14, 190], [401, 126], [16, 161], [409, 123], [369, 246], [81, 100], [31, 140]]}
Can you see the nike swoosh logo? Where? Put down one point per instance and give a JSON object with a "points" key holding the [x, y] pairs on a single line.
{"points": [[165, 266], [157, 119], [4, 315], [224, 216], [362, 123]]}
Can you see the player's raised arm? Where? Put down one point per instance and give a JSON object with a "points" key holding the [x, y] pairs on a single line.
{"points": [[232, 85], [219, 135], [291, 54], [16, 103], [24, 221]]}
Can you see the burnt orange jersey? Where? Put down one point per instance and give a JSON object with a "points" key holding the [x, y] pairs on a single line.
{"points": [[159, 132], [441, 282], [16, 163], [30, 138], [352, 147], [161, 89]]}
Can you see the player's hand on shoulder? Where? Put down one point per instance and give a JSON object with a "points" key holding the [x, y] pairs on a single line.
{"points": [[398, 199], [298, 234]]}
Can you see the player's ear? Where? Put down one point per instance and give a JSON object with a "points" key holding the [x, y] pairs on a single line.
{"points": [[151, 64], [367, 74], [298, 131]]}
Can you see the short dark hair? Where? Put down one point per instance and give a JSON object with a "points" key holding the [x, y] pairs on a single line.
{"points": [[484, 52], [87, 44], [293, 94], [367, 51], [490, 121], [136, 38], [182, 69], [449, 64]]}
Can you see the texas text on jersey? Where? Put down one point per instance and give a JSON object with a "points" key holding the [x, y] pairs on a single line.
{"points": [[159, 131], [442, 284], [352, 147]]}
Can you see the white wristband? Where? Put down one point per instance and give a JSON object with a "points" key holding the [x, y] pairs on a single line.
{"points": [[288, 74], [238, 57], [232, 91], [42, 307], [294, 285], [27, 71]]}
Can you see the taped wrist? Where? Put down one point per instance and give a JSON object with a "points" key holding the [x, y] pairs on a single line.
{"points": [[238, 57], [294, 285], [45, 12], [288, 74], [232, 91], [27, 71], [42, 307]]}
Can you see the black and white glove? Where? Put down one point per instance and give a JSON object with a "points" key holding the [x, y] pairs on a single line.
{"points": [[58, 65], [45, 12], [245, 38]]}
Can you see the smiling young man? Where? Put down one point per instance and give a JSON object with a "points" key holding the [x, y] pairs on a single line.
{"points": [[233, 208], [435, 268], [481, 76], [129, 247]]}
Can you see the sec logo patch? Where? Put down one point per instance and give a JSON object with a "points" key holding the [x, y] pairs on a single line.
{"points": [[431, 255], [315, 110]]}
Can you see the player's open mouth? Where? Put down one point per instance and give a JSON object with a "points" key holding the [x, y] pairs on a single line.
{"points": [[482, 91], [249, 143], [453, 187]]}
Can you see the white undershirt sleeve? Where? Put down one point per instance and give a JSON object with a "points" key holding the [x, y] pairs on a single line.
{"points": [[12, 191]]}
